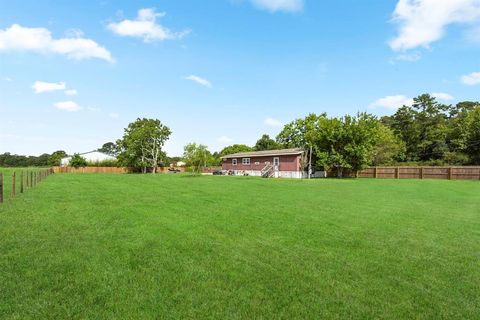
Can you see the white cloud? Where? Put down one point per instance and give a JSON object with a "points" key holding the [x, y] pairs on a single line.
{"points": [[471, 79], [145, 26], [199, 80], [94, 109], [39, 40], [422, 22], [71, 92], [443, 96], [41, 87], [67, 106], [225, 140], [8, 79], [114, 115], [271, 122], [409, 57], [279, 5], [391, 102]]}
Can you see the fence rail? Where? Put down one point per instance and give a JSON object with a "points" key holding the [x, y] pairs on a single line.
{"points": [[450, 173], [22, 182]]}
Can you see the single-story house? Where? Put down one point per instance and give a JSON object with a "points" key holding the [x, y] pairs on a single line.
{"points": [[92, 156], [285, 163]]}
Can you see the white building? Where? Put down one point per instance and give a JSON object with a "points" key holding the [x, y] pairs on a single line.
{"points": [[92, 156]]}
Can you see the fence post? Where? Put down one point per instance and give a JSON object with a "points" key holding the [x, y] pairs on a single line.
{"points": [[31, 179], [421, 172], [397, 173], [1, 187], [450, 173], [375, 173], [21, 182], [13, 185]]}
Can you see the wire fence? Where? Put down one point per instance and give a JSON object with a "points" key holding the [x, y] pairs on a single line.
{"points": [[15, 183]]}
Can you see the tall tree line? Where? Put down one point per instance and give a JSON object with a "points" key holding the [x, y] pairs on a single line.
{"points": [[436, 133]]}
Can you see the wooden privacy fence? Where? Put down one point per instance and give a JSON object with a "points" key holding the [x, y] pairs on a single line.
{"points": [[450, 173], [107, 169], [90, 170], [22, 181], [110, 169]]}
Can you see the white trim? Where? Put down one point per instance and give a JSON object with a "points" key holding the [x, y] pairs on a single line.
{"points": [[234, 162], [277, 163], [246, 161]]}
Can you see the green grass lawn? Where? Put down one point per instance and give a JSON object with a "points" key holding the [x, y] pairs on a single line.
{"points": [[102, 246]]}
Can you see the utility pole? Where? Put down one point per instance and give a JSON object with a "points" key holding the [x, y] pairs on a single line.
{"points": [[310, 164]]}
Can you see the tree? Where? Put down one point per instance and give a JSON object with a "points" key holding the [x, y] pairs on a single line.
{"points": [[423, 128], [432, 117], [404, 125], [196, 156], [300, 134], [461, 136], [346, 143], [389, 148], [109, 148], [472, 143], [216, 159], [265, 143], [236, 148], [142, 142], [77, 161], [56, 157]]}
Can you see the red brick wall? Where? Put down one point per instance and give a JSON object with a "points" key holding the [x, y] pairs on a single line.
{"points": [[287, 163]]}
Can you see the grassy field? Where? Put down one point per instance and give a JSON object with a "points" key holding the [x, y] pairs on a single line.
{"points": [[165, 246]]}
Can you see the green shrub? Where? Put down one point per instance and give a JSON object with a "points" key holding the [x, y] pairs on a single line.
{"points": [[77, 161]]}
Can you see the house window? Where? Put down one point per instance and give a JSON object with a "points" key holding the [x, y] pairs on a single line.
{"points": [[246, 161], [257, 163], [276, 161], [234, 162]]}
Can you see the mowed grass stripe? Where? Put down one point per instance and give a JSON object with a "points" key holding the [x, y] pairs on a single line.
{"points": [[165, 246]]}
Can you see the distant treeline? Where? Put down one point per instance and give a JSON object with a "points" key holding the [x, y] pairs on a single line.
{"points": [[13, 160]]}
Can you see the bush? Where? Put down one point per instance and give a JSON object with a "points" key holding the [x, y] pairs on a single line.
{"points": [[456, 159], [77, 161]]}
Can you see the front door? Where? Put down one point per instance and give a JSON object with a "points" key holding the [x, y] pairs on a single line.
{"points": [[276, 162]]}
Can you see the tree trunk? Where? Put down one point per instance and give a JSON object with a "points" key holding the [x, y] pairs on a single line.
{"points": [[340, 172]]}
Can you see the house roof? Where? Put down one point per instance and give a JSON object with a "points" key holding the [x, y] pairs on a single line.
{"points": [[266, 153]]}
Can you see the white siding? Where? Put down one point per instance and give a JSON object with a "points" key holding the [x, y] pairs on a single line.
{"points": [[94, 156]]}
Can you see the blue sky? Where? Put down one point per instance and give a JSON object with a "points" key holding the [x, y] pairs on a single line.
{"points": [[73, 74]]}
